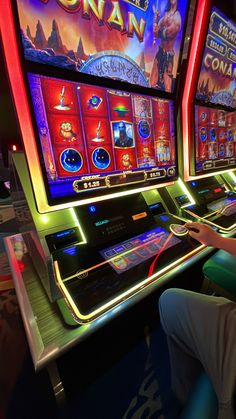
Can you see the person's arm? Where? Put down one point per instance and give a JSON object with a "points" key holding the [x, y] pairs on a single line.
{"points": [[154, 74], [161, 23], [173, 26], [206, 235]]}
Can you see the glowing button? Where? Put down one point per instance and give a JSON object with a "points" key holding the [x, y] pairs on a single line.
{"points": [[138, 216], [178, 229], [92, 208]]}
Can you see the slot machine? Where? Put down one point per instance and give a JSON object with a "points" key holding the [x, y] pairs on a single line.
{"points": [[96, 108], [208, 123]]}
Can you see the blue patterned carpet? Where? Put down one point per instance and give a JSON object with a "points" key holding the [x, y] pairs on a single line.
{"points": [[135, 386]]}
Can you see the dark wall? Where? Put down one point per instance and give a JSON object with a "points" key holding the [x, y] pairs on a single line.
{"points": [[9, 130], [228, 7]]}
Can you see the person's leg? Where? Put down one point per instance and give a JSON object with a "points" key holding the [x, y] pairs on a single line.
{"points": [[185, 367], [201, 328]]}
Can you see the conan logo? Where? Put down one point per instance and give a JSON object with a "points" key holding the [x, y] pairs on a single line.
{"points": [[115, 19], [216, 64]]}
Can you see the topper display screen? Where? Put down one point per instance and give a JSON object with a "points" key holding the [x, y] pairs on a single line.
{"points": [[135, 41], [217, 79], [215, 139], [95, 140]]}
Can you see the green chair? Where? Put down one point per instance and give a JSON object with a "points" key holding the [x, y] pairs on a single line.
{"points": [[203, 402], [220, 275]]}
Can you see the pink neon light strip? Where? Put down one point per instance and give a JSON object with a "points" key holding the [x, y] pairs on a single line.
{"points": [[152, 266], [194, 62]]}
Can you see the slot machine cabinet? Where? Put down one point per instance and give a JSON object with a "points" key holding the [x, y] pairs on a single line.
{"points": [[35, 226], [208, 200], [99, 255], [230, 179], [95, 154], [208, 126]]}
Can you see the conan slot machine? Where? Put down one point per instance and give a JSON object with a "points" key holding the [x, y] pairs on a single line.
{"points": [[209, 122], [93, 84]]}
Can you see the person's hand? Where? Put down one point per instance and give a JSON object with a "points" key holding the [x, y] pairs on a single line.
{"points": [[204, 234]]}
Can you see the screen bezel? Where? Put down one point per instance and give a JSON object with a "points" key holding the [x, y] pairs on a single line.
{"points": [[93, 194], [193, 160], [18, 69]]}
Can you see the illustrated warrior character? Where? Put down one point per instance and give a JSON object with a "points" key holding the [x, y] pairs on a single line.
{"points": [[67, 133], [212, 150], [144, 109], [221, 119], [166, 29], [123, 140]]}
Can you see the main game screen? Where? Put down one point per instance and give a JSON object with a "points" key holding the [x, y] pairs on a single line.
{"points": [[215, 138], [217, 80], [137, 41], [96, 138]]}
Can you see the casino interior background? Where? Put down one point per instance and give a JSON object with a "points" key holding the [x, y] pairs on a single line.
{"points": [[112, 366]]}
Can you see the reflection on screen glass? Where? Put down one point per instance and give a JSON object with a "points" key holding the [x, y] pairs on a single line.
{"points": [[136, 250]]}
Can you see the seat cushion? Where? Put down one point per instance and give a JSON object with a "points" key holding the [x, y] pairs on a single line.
{"points": [[221, 270], [203, 403]]}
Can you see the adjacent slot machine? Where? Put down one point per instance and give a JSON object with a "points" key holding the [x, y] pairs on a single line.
{"points": [[209, 123], [94, 87]]}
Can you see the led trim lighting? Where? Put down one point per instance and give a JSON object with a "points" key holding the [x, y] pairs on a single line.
{"points": [[186, 191], [77, 223], [197, 45], [233, 177], [204, 219], [205, 175], [183, 233], [81, 318]]}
